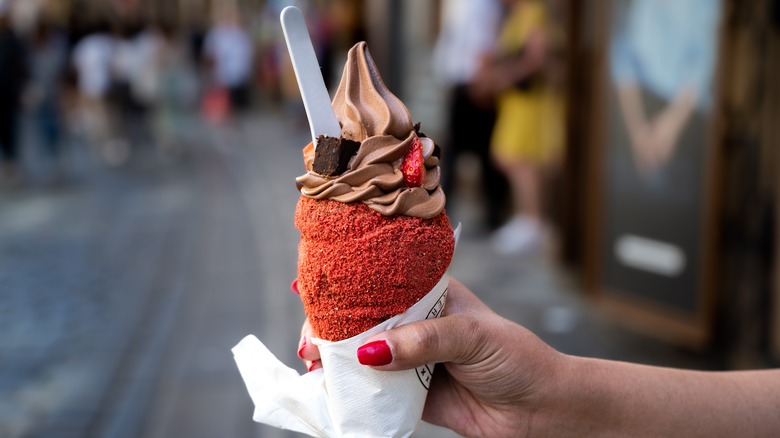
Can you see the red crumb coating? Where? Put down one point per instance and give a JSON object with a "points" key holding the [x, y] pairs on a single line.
{"points": [[357, 268]]}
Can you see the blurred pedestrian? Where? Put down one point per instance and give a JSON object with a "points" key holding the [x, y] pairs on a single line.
{"points": [[92, 57], [175, 90], [13, 72], [134, 85], [48, 67], [467, 39], [268, 54], [228, 57], [527, 139]]}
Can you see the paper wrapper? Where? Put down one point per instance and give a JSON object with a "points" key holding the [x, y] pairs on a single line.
{"points": [[343, 398]]}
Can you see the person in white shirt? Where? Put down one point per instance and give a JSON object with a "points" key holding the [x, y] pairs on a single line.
{"points": [[92, 57], [228, 53]]}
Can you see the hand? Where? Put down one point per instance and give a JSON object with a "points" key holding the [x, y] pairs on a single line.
{"points": [[654, 143], [667, 127], [483, 87], [491, 375], [652, 140], [496, 379], [307, 351], [643, 147]]}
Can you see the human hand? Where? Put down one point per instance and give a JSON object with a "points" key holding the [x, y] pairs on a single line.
{"points": [[307, 351], [655, 140], [651, 139], [654, 143], [492, 374], [496, 379], [482, 86], [643, 146], [666, 129]]}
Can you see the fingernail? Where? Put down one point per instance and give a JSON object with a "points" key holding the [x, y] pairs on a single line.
{"points": [[375, 353], [294, 287], [313, 364], [301, 346]]}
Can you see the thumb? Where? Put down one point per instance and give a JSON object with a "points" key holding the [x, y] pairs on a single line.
{"points": [[454, 338], [458, 336]]}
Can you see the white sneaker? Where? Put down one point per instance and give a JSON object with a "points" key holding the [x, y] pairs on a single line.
{"points": [[520, 236]]}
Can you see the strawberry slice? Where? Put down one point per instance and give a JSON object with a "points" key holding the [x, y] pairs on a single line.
{"points": [[412, 166]]}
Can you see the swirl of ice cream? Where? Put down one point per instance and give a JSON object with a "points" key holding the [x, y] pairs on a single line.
{"points": [[370, 114]]}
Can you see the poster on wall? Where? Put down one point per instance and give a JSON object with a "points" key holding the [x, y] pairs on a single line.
{"points": [[656, 162]]}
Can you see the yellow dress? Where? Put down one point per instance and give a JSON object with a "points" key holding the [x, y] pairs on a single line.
{"points": [[529, 124]]}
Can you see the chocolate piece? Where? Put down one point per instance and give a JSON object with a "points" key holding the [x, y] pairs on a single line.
{"points": [[436, 148], [332, 155]]}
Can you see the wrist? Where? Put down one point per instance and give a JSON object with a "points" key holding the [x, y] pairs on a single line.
{"points": [[576, 402]]}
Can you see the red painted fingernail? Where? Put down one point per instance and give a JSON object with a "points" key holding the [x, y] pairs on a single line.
{"points": [[311, 366], [375, 353], [294, 287], [301, 346]]}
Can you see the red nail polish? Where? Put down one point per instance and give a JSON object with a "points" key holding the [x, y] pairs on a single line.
{"points": [[375, 353], [294, 287], [311, 366], [301, 346]]}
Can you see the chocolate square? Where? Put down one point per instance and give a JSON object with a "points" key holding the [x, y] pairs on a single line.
{"points": [[332, 155]]}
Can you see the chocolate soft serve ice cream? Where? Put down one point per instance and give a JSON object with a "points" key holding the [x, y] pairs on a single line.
{"points": [[374, 234]]}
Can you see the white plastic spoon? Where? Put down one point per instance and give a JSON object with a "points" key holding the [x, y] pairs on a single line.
{"points": [[319, 111]]}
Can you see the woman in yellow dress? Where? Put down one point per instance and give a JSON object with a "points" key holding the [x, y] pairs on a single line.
{"points": [[528, 135]]}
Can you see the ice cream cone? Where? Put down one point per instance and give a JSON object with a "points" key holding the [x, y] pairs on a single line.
{"points": [[374, 234]]}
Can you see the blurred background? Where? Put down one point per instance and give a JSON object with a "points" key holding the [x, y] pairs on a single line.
{"points": [[614, 165]]}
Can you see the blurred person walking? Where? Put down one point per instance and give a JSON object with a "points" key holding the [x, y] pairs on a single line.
{"points": [[134, 88], [228, 56], [527, 139], [92, 57], [466, 41], [48, 67], [175, 90], [13, 72]]}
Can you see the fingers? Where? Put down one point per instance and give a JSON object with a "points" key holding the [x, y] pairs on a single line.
{"points": [[461, 300], [294, 287], [447, 339], [307, 351], [313, 365], [458, 336]]}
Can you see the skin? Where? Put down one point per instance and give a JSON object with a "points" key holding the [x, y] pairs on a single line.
{"points": [[497, 379], [654, 138]]}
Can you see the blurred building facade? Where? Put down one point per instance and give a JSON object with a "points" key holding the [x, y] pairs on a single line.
{"points": [[738, 301]]}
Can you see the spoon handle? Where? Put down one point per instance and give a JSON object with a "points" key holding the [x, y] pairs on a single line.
{"points": [[319, 111]]}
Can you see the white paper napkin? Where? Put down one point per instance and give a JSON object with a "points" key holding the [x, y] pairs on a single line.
{"points": [[343, 398]]}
